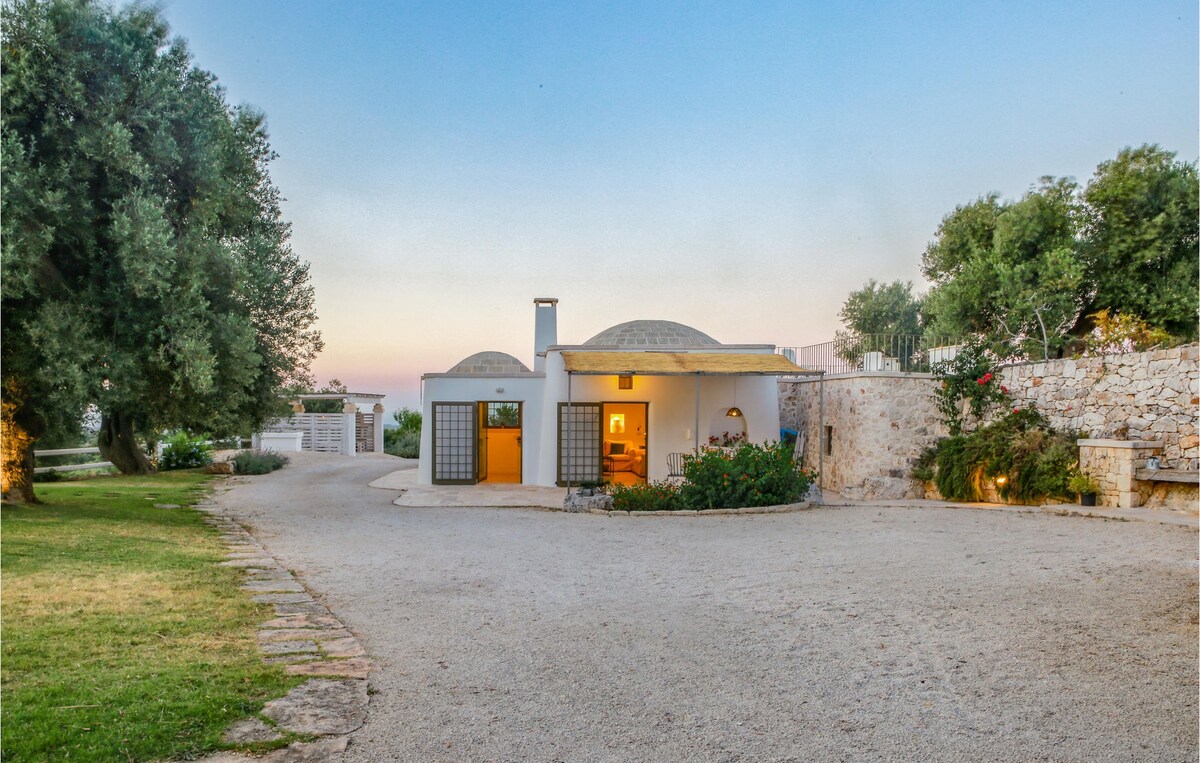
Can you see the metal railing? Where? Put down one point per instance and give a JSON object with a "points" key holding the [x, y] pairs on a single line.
{"points": [[850, 353]]}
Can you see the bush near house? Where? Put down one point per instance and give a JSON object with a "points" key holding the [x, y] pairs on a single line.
{"points": [[749, 475], [402, 444], [646, 496], [1035, 460]]}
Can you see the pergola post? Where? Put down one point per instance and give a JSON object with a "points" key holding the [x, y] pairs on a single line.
{"points": [[696, 431], [821, 435], [570, 439]]}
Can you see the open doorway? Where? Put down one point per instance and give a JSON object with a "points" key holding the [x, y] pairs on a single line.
{"points": [[623, 450], [499, 442]]}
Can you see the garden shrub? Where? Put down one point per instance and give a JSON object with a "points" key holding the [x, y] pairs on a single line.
{"points": [[1036, 460], [405, 444], [646, 496], [258, 461], [750, 475], [183, 451]]}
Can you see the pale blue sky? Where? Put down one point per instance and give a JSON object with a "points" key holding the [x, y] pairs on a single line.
{"points": [[736, 168]]}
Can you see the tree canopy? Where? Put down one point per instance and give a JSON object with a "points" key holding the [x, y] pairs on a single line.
{"points": [[1028, 275], [882, 309], [146, 266]]}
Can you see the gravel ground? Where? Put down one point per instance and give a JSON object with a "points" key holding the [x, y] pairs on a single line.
{"points": [[835, 634]]}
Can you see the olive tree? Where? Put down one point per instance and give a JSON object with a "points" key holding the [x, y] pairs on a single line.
{"points": [[146, 267]]}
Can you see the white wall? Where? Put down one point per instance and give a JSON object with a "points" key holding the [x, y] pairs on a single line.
{"points": [[446, 389]]}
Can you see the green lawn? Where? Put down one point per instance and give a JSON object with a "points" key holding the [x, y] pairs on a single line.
{"points": [[122, 639]]}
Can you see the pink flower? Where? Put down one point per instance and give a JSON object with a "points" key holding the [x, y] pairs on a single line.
{"points": [[1016, 410], [981, 382]]}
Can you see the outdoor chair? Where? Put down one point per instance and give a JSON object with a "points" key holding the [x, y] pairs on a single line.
{"points": [[675, 464]]}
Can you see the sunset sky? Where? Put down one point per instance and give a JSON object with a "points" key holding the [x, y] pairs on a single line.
{"points": [[736, 167]]}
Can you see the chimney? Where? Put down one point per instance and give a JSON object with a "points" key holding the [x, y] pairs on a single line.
{"points": [[545, 329]]}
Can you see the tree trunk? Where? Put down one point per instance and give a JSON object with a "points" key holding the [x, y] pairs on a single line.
{"points": [[118, 444], [19, 427]]}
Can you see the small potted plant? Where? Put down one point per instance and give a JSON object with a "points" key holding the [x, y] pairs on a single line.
{"points": [[1085, 486]]}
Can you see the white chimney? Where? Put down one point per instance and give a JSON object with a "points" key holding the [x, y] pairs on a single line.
{"points": [[545, 329]]}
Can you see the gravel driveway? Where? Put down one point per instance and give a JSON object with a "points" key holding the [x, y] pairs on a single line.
{"points": [[834, 634]]}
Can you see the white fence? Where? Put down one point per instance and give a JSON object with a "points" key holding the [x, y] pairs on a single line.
{"points": [[70, 467], [323, 432], [364, 431]]}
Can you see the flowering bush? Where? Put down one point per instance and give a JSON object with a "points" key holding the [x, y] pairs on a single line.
{"points": [[726, 440], [645, 496], [967, 377], [752, 475]]}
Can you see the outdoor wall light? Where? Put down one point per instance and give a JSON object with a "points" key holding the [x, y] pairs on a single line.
{"points": [[1001, 481], [624, 382], [734, 412]]}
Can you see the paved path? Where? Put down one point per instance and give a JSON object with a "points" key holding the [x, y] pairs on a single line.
{"points": [[858, 633]]}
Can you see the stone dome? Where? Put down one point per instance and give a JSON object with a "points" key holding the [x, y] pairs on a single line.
{"points": [[652, 334], [490, 362]]}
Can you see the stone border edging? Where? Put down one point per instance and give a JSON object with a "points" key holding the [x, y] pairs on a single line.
{"points": [[783, 508], [309, 641]]}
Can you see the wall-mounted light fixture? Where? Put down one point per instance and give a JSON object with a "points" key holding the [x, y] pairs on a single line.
{"points": [[1001, 481], [624, 382], [616, 423]]}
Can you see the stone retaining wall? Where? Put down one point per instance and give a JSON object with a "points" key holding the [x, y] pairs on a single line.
{"points": [[1137, 396], [879, 423], [882, 421]]}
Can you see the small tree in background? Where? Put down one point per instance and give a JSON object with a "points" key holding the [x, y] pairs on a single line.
{"points": [[880, 318], [333, 387], [404, 440]]}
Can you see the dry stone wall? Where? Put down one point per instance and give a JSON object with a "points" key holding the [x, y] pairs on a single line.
{"points": [[1136, 396], [882, 421], [879, 423]]}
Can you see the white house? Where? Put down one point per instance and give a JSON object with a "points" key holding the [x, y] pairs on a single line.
{"points": [[612, 408]]}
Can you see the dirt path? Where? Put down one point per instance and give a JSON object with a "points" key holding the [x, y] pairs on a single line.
{"points": [[837, 634]]}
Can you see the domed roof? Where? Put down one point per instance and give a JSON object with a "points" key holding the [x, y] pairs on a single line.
{"points": [[652, 334], [490, 362]]}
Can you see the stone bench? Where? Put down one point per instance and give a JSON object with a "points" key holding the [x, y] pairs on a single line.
{"points": [[1169, 475]]}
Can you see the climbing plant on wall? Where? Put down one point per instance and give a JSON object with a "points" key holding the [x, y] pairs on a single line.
{"points": [[967, 388]]}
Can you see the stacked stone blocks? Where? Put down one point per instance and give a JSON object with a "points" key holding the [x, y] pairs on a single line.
{"points": [[883, 421]]}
